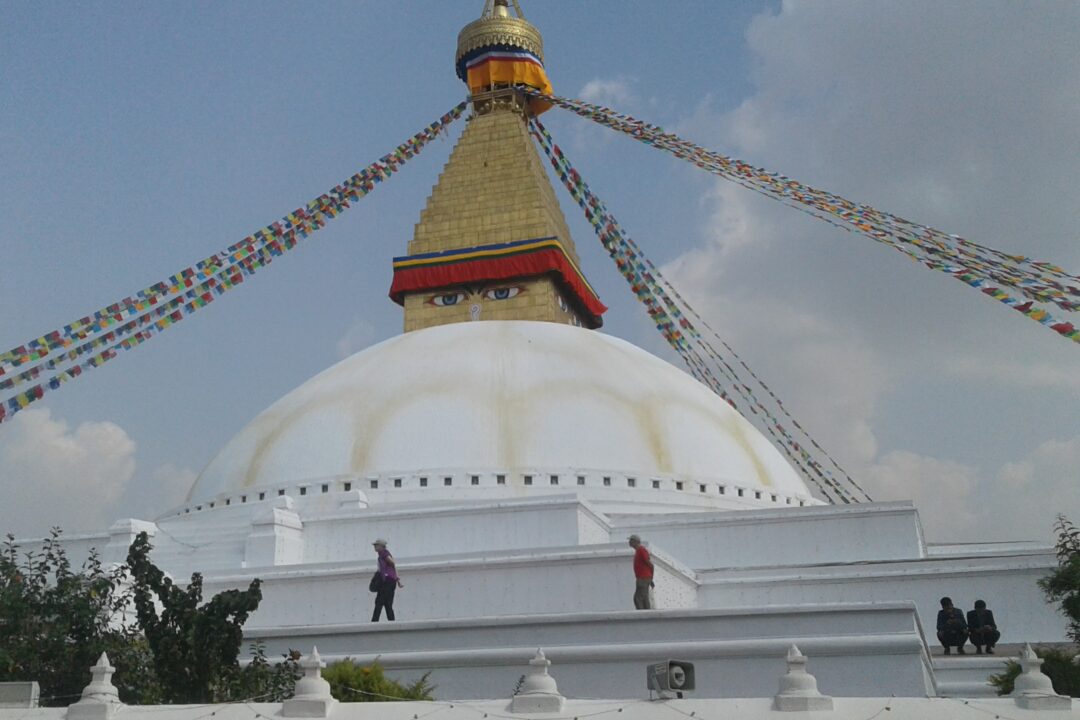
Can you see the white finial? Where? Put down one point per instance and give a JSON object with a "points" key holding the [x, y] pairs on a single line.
{"points": [[314, 661], [1032, 689], [798, 688], [539, 692], [311, 696], [99, 699]]}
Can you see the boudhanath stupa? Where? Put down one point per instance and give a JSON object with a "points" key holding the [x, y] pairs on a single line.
{"points": [[506, 448]]}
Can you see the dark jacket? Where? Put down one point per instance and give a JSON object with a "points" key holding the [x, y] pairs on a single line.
{"points": [[951, 619], [978, 619]]}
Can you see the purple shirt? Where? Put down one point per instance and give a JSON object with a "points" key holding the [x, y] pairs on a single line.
{"points": [[388, 571]]}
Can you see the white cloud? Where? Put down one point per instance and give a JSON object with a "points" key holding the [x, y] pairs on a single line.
{"points": [[831, 379], [1018, 497], [615, 92], [148, 496], [941, 490], [955, 503], [944, 113], [53, 475], [1021, 376], [80, 479]]}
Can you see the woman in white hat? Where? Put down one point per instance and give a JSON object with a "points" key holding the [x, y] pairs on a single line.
{"points": [[389, 582]]}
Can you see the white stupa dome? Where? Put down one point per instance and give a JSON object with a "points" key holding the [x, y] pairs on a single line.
{"points": [[523, 405]]}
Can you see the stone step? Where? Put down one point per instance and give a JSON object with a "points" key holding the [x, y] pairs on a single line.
{"points": [[969, 675]]}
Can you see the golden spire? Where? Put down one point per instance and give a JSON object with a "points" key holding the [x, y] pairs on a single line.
{"points": [[497, 26], [498, 55], [492, 242]]}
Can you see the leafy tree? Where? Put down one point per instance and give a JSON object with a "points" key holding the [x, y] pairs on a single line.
{"points": [[1063, 584], [55, 621], [261, 680], [352, 682], [1059, 664], [195, 647]]}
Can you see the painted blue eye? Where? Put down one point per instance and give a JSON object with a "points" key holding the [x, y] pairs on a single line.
{"points": [[502, 293], [447, 299]]}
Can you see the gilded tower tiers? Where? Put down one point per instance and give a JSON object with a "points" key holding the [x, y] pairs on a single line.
{"points": [[492, 242]]}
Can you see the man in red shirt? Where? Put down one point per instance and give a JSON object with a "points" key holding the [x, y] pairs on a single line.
{"points": [[643, 575]]}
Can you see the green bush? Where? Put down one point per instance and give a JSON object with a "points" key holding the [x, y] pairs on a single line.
{"points": [[260, 679], [352, 682], [1063, 584], [1058, 664], [56, 620], [195, 645]]}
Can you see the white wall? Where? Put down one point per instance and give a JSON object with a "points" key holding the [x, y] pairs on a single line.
{"points": [[555, 580], [784, 536], [855, 649]]}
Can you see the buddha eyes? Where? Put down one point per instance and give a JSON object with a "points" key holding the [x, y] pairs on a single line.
{"points": [[456, 298], [502, 293], [447, 299]]}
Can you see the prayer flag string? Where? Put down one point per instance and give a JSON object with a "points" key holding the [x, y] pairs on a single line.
{"points": [[303, 220], [130, 322], [1020, 282], [669, 312]]}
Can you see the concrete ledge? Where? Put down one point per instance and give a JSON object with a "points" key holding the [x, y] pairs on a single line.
{"points": [[856, 650]]}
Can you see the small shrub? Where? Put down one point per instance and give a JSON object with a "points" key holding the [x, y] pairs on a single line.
{"points": [[1063, 584], [262, 680], [352, 682], [1058, 664]]}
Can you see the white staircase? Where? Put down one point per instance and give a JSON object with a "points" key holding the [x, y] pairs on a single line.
{"points": [[968, 676]]}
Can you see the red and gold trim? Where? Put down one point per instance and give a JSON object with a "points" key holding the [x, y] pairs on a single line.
{"points": [[485, 263]]}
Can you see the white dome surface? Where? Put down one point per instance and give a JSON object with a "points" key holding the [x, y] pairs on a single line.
{"points": [[509, 396]]}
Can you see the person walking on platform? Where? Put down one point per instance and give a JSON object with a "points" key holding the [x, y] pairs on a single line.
{"points": [[643, 576], [389, 582]]}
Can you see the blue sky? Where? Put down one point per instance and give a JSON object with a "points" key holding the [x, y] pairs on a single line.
{"points": [[137, 138]]}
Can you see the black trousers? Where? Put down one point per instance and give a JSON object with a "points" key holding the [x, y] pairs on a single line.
{"points": [[984, 636], [949, 638], [385, 599]]}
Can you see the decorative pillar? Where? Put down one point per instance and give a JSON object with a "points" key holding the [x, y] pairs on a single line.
{"points": [[539, 693], [798, 688], [1033, 690], [277, 536], [121, 535], [312, 698], [99, 701]]}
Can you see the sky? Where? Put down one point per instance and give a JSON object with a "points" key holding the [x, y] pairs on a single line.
{"points": [[138, 138]]}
